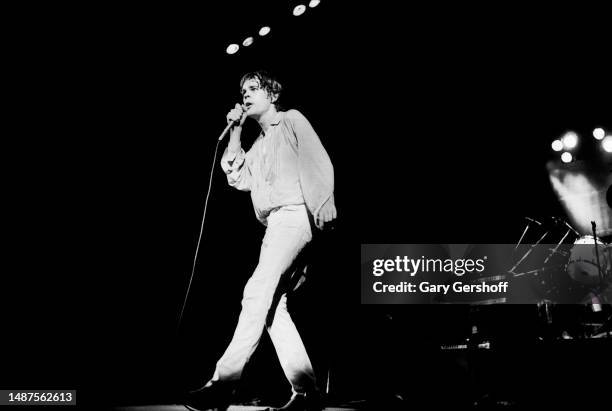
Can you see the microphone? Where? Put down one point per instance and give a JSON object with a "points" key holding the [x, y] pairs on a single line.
{"points": [[230, 124], [533, 221]]}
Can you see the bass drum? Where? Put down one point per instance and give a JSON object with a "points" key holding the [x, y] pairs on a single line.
{"points": [[582, 265]]}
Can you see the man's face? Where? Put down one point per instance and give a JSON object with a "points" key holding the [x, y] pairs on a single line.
{"points": [[255, 98]]}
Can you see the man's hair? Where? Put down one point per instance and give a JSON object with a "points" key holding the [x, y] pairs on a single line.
{"points": [[267, 82]]}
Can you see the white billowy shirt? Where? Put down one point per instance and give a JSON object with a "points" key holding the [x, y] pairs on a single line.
{"points": [[287, 165]]}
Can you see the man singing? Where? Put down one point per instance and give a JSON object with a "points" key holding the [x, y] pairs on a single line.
{"points": [[291, 178]]}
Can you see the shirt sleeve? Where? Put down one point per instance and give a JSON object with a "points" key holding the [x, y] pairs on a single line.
{"points": [[315, 167], [235, 168]]}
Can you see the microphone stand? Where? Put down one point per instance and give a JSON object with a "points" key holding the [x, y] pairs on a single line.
{"points": [[597, 253]]}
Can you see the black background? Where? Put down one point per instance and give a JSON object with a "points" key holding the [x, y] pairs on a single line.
{"points": [[438, 122]]}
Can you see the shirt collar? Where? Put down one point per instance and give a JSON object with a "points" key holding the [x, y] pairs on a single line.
{"points": [[277, 118], [276, 121]]}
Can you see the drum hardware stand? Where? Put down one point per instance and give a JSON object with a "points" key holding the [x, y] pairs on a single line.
{"points": [[539, 270], [570, 229], [554, 250], [530, 220], [606, 327], [545, 306], [511, 271]]}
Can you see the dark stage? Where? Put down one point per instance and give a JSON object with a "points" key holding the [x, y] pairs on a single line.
{"points": [[439, 123]]}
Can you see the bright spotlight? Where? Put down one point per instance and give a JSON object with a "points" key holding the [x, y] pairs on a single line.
{"points": [[247, 42], [314, 3], [264, 30], [607, 143], [582, 193], [570, 140], [557, 145], [232, 49], [566, 157], [599, 133], [299, 10]]}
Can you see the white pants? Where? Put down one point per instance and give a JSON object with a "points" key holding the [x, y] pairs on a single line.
{"points": [[287, 233]]}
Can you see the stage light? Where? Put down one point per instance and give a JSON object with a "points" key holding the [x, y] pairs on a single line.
{"points": [[232, 49], [599, 133], [314, 3], [557, 145], [264, 30], [570, 140], [606, 143], [566, 157], [247, 42], [582, 192], [299, 10]]}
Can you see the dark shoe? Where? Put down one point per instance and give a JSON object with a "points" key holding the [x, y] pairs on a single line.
{"points": [[302, 402], [212, 396]]}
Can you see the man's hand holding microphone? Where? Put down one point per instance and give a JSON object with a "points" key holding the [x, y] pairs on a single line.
{"points": [[236, 117]]}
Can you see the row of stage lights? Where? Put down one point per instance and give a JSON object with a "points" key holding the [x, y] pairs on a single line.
{"points": [[570, 140], [297, 11]]}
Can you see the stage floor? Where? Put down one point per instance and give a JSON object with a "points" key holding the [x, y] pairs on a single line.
{"points": [[176, 407]]}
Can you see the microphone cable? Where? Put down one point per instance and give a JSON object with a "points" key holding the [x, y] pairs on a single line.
{"points": [[195, 257]]}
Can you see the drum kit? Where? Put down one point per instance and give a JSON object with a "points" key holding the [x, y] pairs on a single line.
{"points": [[573, 278], [589, 261]]}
